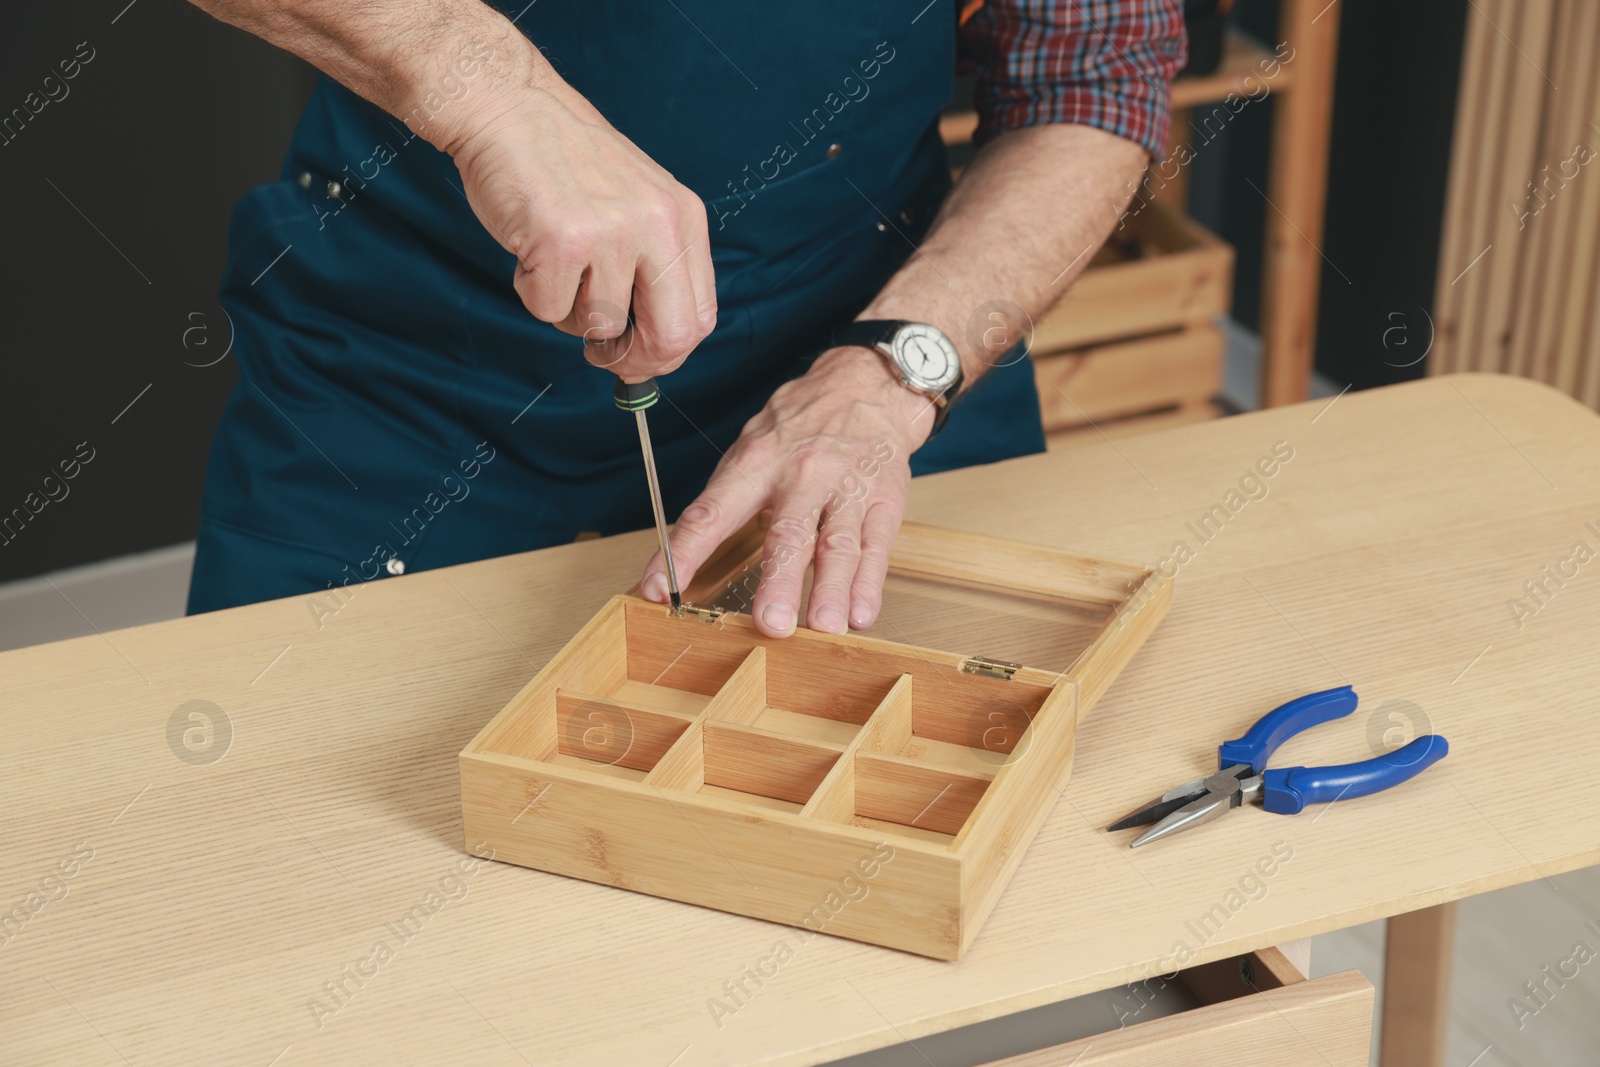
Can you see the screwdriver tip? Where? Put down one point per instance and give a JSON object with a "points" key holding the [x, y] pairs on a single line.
{"points": [[677, 603]]}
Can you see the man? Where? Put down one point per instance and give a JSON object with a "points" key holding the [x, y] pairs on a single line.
{"points": [[486, 196]]}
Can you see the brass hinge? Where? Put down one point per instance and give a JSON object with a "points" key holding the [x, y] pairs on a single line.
{"points": [[708, 615], [990, 668]]}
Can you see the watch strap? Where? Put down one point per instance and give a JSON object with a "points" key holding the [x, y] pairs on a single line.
{"points": [[869, 333]]}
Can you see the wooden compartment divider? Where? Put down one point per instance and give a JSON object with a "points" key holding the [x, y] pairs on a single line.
{"points": [[900, 790], [740, 700], [588, 727], [766, 763], [886, 730]]}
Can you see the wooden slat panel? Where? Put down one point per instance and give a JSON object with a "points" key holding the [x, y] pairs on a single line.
{"points": [[1551, 250], [1519, 197], [1462, 239], [1578, 355], [1501, 279]]}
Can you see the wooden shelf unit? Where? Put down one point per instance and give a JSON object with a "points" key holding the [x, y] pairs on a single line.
{"points": [[1294, 200]]}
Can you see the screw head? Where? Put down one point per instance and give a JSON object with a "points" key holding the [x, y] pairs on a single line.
{"points": [[1222, 784]]}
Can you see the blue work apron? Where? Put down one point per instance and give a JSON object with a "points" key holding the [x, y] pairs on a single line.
{"points": [[399, 409]]}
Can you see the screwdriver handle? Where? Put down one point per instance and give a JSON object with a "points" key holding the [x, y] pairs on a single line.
{"points": [[636, 396]]}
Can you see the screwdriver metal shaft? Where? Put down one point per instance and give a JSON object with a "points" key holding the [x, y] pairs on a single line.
{"points": [[638, 397]]}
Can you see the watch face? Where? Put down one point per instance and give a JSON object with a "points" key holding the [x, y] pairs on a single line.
{"points": [[926, 357]]}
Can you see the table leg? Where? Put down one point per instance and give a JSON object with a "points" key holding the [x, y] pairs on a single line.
{"points": [[1416, 987]]}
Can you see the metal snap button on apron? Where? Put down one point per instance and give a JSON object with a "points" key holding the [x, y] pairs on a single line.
{"points": [[334, 189], [834, 150], [305, 179], [883, 225], [396, 565], [908, 216]]}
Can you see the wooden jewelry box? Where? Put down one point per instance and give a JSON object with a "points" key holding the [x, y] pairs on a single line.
{"points": [[852, 785]]}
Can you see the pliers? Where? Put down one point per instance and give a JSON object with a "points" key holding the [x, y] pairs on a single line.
{"points": [[1242, 771]]}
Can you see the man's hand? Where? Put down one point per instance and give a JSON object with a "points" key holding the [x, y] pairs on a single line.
{"points": [[596, 225], [1020, 224], [828, 457]]}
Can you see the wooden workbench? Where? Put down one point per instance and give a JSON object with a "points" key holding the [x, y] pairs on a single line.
{"points": [[213, 900]]}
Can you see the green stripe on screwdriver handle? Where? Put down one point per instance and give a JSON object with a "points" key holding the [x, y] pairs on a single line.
{"points": [[636, 396]]}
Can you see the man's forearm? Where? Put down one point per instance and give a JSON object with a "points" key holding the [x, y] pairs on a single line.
{"points": [[400, 54], [1020, 225]]}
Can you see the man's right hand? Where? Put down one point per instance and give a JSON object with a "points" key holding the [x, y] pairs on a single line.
{"points": [[598, 228]]}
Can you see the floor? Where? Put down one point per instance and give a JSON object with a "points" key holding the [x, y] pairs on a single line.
{"points": [[1546, 932]]}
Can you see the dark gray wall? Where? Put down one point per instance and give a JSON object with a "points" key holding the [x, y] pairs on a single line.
{"points": [[1393, 116], [117, 197]]}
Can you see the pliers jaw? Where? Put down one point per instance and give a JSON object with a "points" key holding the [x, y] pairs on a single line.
{"points": [[1192, 804]]}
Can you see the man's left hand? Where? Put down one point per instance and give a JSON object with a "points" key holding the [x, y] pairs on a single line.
{"points": [[828, 459]]}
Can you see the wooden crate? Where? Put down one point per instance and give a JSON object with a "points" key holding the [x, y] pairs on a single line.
{"points": [[1160, 271], [1180, 368], [1102, 433], [845, 784]]}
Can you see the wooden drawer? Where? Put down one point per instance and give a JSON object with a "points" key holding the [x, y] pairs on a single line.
{"points": [[1173, 369], [1252, 1009], [1158, 272]]}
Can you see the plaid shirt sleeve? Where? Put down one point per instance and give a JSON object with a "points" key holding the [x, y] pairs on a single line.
{"points": [[1101, 63]]}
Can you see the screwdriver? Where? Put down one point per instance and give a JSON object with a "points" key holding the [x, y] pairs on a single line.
{"points": [[639, 397]]}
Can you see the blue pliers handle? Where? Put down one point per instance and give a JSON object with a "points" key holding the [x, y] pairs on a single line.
{"points": [[1242, 772], [1288, 790]]}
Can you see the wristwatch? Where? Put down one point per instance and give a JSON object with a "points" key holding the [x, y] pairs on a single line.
{"points": [[922, 357]]}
